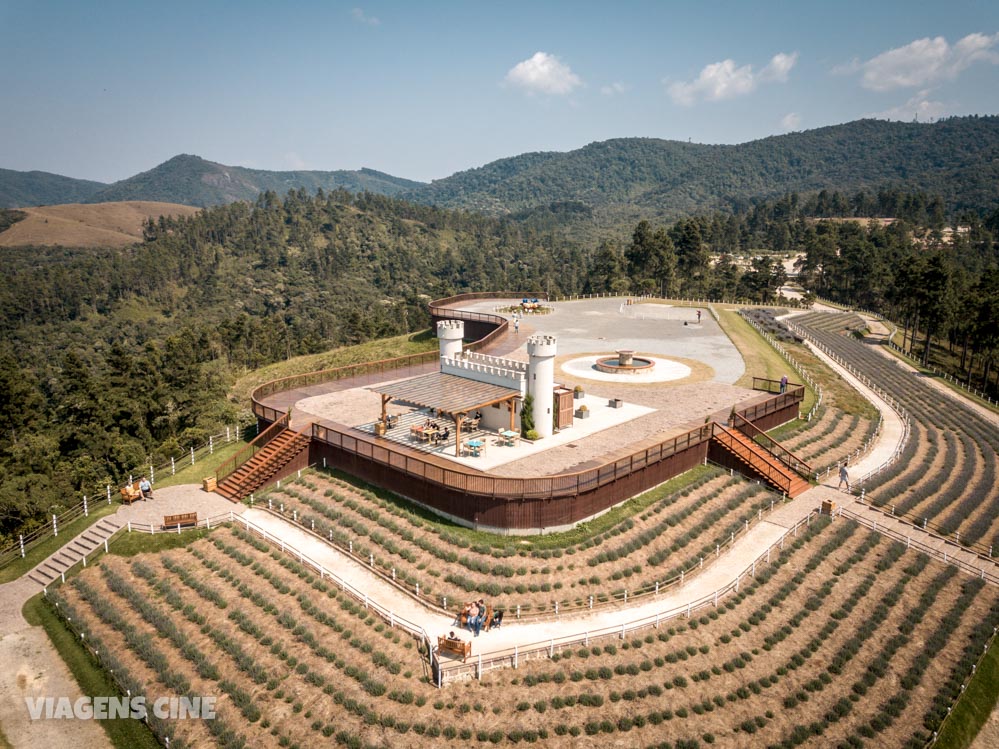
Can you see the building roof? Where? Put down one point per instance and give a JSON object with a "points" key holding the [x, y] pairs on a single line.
{"points": [[449, 393]]}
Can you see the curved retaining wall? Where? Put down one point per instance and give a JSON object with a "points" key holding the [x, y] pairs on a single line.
{"points": [[473, 498]]}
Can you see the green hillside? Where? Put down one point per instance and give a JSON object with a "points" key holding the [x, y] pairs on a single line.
{"points": [[18, 189], [192, 180], [629, 178]]}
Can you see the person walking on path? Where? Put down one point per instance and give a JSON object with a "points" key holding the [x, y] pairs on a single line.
{"points": [[516, 325], [844, 477]]}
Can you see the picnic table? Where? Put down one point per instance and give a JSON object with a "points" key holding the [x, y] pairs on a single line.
{"points": [[423, 434]]}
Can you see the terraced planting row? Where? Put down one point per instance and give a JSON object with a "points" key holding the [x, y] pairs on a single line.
{"points": [[947, 474], [832, 436], [845, 638], [674, 532]]}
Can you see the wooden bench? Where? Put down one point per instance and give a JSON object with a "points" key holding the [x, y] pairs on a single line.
{"points": [[183, 519], [456, 646], [130, 493]]}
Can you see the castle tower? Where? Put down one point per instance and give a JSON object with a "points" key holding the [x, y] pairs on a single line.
{"points": [[541, 380], [450, 334]]}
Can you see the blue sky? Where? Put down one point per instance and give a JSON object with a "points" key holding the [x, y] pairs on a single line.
{"points": [[421, 90]]}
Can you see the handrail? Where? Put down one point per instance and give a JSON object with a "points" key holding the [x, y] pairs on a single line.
{"points": [[781, 479], [510, 488], [773, 447], [233, 463], [991, 576]]}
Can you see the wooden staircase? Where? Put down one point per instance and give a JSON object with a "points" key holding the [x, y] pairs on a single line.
{"points": [[264, 465], [756, 460]]}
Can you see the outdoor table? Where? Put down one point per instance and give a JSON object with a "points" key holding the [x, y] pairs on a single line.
{"points": [[476, 446], [509, 436]]}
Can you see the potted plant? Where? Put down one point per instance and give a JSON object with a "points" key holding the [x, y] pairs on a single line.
{"points": [[583, 412], [615, 403], [578, 393]]}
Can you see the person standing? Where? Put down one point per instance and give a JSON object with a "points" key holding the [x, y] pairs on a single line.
{"points": [[844, 477], [783, 384], [516, 325], [698, 317]]}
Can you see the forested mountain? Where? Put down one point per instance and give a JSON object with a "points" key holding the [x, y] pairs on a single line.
{"points": [[626, 179], [614, 183], [19, 189], [189, 180], [192, 180]]}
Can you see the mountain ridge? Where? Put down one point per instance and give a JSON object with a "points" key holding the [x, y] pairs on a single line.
{"points": [[615, 181]]}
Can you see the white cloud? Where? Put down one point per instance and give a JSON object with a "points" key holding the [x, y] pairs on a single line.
{"points": [[545, 74], [614, 89], [723, 80], [919, 107], [790, 121], [360, 16], [924, 62], [296, 162]]}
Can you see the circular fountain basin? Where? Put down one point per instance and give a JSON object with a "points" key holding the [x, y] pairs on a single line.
{"points": [[624, 363], [659, 369]]}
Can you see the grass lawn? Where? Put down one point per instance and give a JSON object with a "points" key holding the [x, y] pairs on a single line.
{"points": [[385, 348], [975, 705], [130, 544], [203, 467], [50, 545], [93, 680], [761, 359]]}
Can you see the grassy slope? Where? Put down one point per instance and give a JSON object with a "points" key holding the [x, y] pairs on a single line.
{"points": [[760, 358], [386, 348], [96, 225], [975, 705]]}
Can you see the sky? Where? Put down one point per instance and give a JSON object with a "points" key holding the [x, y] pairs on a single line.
{"points": [[421, 90]]}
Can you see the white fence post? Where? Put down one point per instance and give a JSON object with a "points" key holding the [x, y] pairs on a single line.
{"points": [[86, 509]]}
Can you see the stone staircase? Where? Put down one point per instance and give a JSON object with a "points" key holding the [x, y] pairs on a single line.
{"points": [[81, 546], [755, 460], [264, 465]]}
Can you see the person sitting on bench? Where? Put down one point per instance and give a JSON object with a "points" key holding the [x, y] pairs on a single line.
{"points": [[145, 488]]}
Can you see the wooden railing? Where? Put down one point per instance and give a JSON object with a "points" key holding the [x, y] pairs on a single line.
{"points": [[772, 446], [481, 484], [772, 473], [250, 450], [795, 393]]}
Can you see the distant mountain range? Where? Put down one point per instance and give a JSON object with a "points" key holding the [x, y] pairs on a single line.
{"points": [[188, 180], [643, 177], [613, 181]]}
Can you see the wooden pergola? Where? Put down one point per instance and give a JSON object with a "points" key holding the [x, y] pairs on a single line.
{"points": [[450, 394]]}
